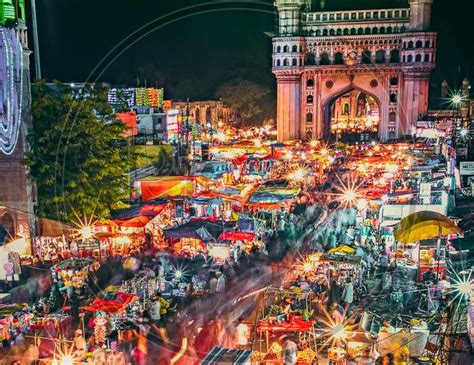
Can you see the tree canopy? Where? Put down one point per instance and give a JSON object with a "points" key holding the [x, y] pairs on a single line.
{"points": [[79, 157], [250, 101]]}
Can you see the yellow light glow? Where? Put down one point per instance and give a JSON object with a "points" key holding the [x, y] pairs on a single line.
{"points": [[298, 174], [257, 143], [307, 267], [362, 204], [87, 232], [392, 168], [324, 152], [339, 332], [67, 360], [313, 143]]}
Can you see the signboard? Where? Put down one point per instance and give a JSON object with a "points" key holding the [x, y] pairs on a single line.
{"points": [[467, 168], [172, 125], [425, 192], [88, 245]]}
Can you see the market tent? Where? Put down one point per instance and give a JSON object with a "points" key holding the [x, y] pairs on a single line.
{"points": [[137, 222], [237, 236], [344, 250], [138, 215], [273, 195], [169, 186], [201, 230], [424, 225], [116, 305], [200, 200]]}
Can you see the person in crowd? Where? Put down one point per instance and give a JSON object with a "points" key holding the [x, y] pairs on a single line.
{"points": [[334, 293], [212, 283], [220, 285], [242, 334], [348, 295], [290, 351], [157, 313]]}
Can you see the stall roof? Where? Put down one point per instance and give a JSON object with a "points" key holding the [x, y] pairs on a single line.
{"points": [[273, 195], [202, 230], [169, 186]]}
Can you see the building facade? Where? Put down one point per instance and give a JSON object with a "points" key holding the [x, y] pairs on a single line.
{"points": [[17, 217], [206, 112], [388, 54]]}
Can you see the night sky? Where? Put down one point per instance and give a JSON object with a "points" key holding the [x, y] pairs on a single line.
{"points": [[193, 56]]}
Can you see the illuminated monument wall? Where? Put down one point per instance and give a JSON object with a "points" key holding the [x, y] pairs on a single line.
{"points": [[16, 207], [388, 54]]}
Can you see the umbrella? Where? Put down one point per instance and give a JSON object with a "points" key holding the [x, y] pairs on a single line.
{"points": [[344, 249], [424, 225]]}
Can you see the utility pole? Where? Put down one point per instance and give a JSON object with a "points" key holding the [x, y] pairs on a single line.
{"points": [[35, 41]]}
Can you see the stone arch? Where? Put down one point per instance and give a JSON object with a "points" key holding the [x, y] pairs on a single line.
{"points": [[428, 44], [310, 59], [382, 30], [332, 32], [366, 57], [278, 49], [410, 45], [295, 62], [309, 118], [324, 59], [8, 224], [389, 30], [419, 44], [380, 56], [278, 63], [368, 30], [418, 58], [286, 62], [326, 109], [286, 49], [318, 32], [294, 48], [410, 58], [310, 99], [346, 31], [360, 31], [338, 58], [394, 56], [375, 30], [309, 83], [325, 32], [427, 58]]}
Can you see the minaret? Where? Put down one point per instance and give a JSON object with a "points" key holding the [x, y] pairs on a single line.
{"points": [[420, 15], [289, 16]]}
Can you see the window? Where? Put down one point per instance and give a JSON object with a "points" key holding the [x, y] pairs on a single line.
{"points": [[380, 56], [418, 58], [338, 58], [360, 31], [325, 17], [375, 30], [324, 59], [419, 44], [393, 98], [410, 58], [368, 15], [382, 14], [366, 57], [318, 17], [410, 44], [390, 14], [403, 29], [310, 60], [331, 16], [394, 56], [318, 32], [309, 118], [278, 63], [389, 30], [397, 13], [361, 15], [309, 99], [346, 31], [325, 32], [392, 118], [332, 32], [338, 16], [278, 49], [376, 14], [353, 16], [404, 13], [286, 49], [367, 30], [346, 16], [339, 31], [428, 44], [294, 49], [427, 58], [310, 84], [286, 62], [353, 31], [295, 62], [382, 30], [393, 81]]}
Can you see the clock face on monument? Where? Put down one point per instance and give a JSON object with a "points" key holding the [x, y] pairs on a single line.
{"points": [[11, 92]]}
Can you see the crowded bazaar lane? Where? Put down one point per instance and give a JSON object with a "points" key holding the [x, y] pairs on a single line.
{"points": [[281, 252]]}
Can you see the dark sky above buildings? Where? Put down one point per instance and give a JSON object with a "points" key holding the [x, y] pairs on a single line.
{"points": [[195, 50]]}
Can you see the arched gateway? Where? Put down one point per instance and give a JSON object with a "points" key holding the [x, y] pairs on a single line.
{"points": [[387, 54]]}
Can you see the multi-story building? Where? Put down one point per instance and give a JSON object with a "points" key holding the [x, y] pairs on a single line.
{"points": [[16, 190], [206, 112], [387, 54]]}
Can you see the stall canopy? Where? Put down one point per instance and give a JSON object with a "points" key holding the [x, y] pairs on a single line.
{"points": [[236, 236], [424, 225], [273, 195], [201, 230], [166, 186], [200, 200], [116, 305], [138, 215]]}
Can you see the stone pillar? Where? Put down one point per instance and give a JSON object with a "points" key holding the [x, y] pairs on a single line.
{"points": [[414, 101], [420, 15], [288, 107]]}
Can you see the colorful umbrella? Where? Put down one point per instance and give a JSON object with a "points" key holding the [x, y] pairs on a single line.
{"points": [[425, 225]]}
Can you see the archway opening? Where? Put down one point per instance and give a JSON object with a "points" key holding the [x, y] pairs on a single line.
{"points": [[351, 117]]}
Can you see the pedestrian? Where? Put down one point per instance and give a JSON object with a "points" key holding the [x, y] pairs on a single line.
{"points": [[242, 334], [334, 293], [348, 295], [212, 284], [220, 285], [290, 350]]}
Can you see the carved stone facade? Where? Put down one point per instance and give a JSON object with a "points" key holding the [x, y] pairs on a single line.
{"points": [[206, 112], [16, 190], [388, 54]]}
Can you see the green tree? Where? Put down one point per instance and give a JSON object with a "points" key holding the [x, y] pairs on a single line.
{"points": [[249, 100], [78, 156]]}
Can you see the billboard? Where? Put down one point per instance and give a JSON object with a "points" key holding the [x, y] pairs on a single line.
{"points": [[172, 125]]}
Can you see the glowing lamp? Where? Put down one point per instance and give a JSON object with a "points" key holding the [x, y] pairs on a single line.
{"points": [[362, 204], [338, 332], [86, 232], [324, 152], [456, 99], [67, 360]]}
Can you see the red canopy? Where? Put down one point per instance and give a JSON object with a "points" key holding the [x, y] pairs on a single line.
{"points": [[137, 222], [237, 236], [121, 301]]}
